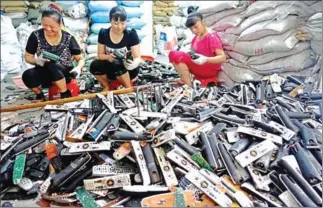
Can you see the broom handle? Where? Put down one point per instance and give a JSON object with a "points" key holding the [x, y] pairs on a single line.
{"points": [[65, 100]]}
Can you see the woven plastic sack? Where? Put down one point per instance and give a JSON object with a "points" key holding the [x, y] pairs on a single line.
{"points": [[267, 28], [92, 39], [228, 22], [69, 3], [280, 12], [317, 7], [268, 57], [76, 24], [136, 23], [178, 21], [96, 6], [312, 28], [283, 42], [78, 11], [228, 40], [134, 11], [239, 74], [215, 17], [292, 63], [141, 34], [309, 3], [216, 6], [316, 46], [238, 56], [225, 79], [100, 17], [96, 27], [16, 15], [11, 50], [92, 49], [131, 3]]}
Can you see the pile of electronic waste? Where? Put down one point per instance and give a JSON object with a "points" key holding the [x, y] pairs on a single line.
{"points": [[255, 144]]}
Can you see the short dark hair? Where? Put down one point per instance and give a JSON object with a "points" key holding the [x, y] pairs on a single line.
{"points": [[49, 12], [193, 16], [118, 13]]}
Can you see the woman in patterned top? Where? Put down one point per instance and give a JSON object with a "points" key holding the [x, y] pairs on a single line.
{"points": [[53, 39]]}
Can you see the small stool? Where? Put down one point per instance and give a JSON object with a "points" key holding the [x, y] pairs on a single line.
{"points": [[114, 84], [54, 93]]}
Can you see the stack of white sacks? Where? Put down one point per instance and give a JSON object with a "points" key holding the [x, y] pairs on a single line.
{"points": [[11, 52], [266, 37], [100, 19]]}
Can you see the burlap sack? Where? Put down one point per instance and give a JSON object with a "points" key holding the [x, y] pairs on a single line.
{"points": [[161, 4], [163, 23], [170, 13], [159, 14], [12, 3], [161, 19], [170, 9], [14, 9], [158, 8]]}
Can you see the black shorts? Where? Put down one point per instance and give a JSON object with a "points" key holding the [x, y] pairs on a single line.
{"points": [[100, 67], [44, 76]]}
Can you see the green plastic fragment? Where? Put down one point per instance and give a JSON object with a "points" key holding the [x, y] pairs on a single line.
{"points": [[179, 198], [50, 56], [86, 198], [152, 106], [198, 158], [18, 168]]}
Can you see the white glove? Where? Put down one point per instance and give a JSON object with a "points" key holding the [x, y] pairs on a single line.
{"points": [[200, 60], [131, 65], [76, 69], [40, 61]]}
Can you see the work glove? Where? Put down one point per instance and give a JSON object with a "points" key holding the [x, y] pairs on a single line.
{"points": [[40, 61], [200, 60], [132, 64], [76, 72]]}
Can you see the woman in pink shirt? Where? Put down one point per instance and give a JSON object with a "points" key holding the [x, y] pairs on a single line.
{"points": [[209, 54]]}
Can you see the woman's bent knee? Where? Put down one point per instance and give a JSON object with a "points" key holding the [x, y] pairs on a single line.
{"points": [[97, 67], [29, 77], [177, 57]]}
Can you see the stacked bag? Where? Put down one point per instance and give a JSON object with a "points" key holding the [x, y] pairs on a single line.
{"points": [[184, 35], [162, 12], [16, 10], [100, 19], [164, 34], [76, 19], [261, 38], [11, 52]]}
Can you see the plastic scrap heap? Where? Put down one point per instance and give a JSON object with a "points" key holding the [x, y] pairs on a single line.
{"points": [[257, 143]]}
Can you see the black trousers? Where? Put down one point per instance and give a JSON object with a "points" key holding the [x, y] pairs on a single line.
{"points": [[100, 67], [44, 76]]}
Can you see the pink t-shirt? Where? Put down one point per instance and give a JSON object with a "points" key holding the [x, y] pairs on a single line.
{"points": [[207, 47]]}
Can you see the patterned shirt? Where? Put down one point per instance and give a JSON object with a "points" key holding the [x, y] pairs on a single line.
{"points": [[65, 49]]}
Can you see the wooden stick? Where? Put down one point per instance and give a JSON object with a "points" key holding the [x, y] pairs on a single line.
{"points": [[65, 100]]}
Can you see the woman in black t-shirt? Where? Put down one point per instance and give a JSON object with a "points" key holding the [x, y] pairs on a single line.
{"points": [[53, 39], [113, 41]]}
